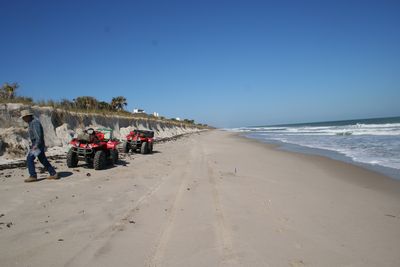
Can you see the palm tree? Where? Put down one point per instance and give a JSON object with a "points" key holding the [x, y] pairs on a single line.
{"points": [[8, 90], [118, 103]]}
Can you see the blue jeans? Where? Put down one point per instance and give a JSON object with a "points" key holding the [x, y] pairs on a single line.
{"points": [[30, 161]]}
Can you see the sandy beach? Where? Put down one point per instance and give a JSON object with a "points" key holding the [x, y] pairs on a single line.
{"points": [[208, 199]]}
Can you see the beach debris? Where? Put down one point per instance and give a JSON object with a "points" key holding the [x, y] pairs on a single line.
{"points": [[46, 221], [132, 221], [8, 176], [390, 215], [82, 211], [188, 189], [73, 195], [2, 215], [47, 232], [267, 202], [88, 174], [76, 170], [9, 224], [297, 263], [60, 239], [56, 197]]}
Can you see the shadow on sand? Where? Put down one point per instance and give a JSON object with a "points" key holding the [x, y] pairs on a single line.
{"points": [[64, 174]]}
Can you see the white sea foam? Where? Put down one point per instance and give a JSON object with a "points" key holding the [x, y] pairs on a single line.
{"points": [[358, 129], [377, 144]]}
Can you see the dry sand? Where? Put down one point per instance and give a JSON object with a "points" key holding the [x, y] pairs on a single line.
{"points": [[210, 199]]}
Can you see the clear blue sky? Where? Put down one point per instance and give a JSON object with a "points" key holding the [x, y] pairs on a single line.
{"points": [[226, 63]]}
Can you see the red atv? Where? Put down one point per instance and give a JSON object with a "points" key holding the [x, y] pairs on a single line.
{"points": [[96, 148], [139, 140]]}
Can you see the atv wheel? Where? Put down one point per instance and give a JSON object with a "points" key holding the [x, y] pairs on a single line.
{"points": [[125, 147], [144, 149], [114, 156], [99, 161], [72, 159], [150, 147]]}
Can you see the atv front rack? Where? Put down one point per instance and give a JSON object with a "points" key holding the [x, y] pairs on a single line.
{"points": [[82, 151]]}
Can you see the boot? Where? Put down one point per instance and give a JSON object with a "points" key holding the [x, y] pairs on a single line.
{"points": [[53, 177], [30, 179]]}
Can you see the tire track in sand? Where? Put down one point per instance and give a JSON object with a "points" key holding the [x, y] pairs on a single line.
{"points": [[223, 230], [101, 239], [156, 258], [197, 162]]}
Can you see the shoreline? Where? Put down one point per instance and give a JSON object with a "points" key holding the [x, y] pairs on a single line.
{"points": [[334, 155], [363, 176]]}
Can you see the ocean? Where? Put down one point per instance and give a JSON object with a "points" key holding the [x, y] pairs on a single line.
{"points": [[371, 143]]}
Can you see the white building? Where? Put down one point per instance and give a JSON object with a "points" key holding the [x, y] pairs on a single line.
{"points": [[138, 110], [155, 114]]}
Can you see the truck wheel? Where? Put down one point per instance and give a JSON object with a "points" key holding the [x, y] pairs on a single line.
{"points": [[125, 147], [99, 161], [72, 159], [114, 156], [144, 149]]}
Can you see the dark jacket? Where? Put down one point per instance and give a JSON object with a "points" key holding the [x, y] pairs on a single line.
{"points": [[36, 133]]}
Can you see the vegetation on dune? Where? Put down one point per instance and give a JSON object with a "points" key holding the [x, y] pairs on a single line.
{"points": [[8, 94], [84, 104], [118, 103]]}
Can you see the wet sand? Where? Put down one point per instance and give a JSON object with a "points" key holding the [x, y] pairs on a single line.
{"points": [[209, 199]]}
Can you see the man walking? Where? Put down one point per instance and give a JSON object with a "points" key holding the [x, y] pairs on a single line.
{"points": [[37, 147]]}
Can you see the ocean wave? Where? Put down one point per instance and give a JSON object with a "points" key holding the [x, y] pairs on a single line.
{"points": [[356, 129], [376, 144], [376, 150]]}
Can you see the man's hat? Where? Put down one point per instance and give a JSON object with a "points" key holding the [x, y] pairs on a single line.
{"points": [[26, 112]]}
